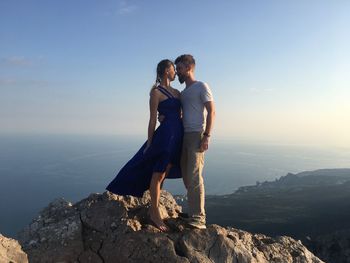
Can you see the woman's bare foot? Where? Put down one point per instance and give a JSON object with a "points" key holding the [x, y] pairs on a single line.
{"points": [[157, 220]]}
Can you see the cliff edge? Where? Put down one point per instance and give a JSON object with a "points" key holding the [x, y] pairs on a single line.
{"points": [[110, 228], [11, 251]]}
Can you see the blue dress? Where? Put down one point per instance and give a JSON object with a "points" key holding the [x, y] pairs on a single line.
{"points": [[135, 177]]}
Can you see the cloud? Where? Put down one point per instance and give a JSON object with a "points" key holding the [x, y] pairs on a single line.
{"points": [[126, 8], [16, 61], [7, 82], [260, 90], [20, 61], [22, 83]]}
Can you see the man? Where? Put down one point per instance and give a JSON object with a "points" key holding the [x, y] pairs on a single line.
{"points": [[198, 118]]}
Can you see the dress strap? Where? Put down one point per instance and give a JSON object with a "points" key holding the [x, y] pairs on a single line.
{"points": [[165, 92]]}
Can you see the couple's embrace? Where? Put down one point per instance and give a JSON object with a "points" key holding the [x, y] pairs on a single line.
{"points": [[176, 148]]}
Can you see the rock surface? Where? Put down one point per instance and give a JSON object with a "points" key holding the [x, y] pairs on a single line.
{"points": [[110, 228], [333, 247], [11, 251]]}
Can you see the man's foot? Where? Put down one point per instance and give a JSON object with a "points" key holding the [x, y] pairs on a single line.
{"points": [[157, 221], [196, 224]]}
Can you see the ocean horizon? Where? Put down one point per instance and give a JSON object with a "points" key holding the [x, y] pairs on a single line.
{"points": [[35, 170]]}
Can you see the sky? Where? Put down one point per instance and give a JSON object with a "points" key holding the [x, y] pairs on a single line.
{"points": [[278, 70]]}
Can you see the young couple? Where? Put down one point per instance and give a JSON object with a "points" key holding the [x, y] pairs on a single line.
{"points": [[176, 148]]}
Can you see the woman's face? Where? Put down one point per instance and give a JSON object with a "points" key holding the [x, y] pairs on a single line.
{"points": [[171, 74]]}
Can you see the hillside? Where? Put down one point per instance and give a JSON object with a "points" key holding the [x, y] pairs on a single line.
{"points": [[310, 206]]}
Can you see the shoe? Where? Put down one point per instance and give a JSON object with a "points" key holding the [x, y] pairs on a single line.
{"points": [[196, 224]]}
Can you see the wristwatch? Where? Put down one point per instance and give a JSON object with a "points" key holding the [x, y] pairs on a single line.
{"points": [[206, 134]]}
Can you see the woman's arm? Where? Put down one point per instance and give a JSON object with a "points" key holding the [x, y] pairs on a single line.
{"points": [[153, 107]]}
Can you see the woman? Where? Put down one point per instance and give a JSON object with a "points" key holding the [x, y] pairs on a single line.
{"points": [[159, 157]]}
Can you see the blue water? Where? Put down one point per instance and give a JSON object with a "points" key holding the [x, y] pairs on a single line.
{"points": [[34, 170]]}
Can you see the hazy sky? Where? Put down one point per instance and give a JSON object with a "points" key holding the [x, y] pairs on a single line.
{"points": [[279, 70]]}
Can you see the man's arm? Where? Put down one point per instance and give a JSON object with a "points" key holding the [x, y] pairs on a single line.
{"points": [[210, 107], [161, 118]]}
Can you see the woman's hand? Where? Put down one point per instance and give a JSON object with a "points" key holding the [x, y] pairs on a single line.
{"points": [[146, 148]]}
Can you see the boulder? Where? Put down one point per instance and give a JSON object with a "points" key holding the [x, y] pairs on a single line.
{"points": [[111, 228], [11, 251]]}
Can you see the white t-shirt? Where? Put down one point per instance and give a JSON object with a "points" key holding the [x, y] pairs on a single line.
{"points": [[193, 99]]}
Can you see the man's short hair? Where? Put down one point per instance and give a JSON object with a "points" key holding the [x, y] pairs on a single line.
{"points": [[186, 59]]}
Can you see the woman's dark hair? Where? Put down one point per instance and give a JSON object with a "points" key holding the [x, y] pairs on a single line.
{"points": [[161, 68]]}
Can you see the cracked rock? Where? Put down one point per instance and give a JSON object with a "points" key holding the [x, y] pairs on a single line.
{"points": [[11, 251], [111, 228]]}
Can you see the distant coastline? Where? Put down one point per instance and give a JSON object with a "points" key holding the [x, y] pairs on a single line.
{"points": [[49, 167]]}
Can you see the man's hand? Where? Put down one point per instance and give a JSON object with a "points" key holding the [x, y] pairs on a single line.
{"points": [[204, 144], [161, 118]]}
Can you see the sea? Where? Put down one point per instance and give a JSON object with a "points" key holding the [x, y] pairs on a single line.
{"points": [[37, 169]]}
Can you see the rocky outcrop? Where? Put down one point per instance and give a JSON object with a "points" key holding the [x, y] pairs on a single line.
{"points": [[11, 251], [110, 228], [333, 247]]}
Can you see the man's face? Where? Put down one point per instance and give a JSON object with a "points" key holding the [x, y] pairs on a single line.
{"points": [[181, 71]]}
